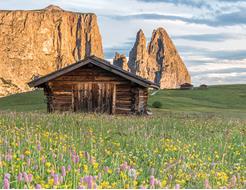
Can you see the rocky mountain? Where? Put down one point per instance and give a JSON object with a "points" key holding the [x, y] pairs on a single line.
{"points": [[159, 62], [120, 60], [37, 42]]}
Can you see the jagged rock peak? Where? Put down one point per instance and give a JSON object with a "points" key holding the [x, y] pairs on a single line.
{"points": [[53, 8], [138, 55], [120, 60], [140, 34], [160, 62]]}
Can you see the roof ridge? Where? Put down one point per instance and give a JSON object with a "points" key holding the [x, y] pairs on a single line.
{"points": [[124, 74]]}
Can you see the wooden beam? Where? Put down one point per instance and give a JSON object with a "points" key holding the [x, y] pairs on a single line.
{"points": [[113, 98]]}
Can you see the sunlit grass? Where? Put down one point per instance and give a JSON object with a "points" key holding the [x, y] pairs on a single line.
{"points": [[100, 151]]}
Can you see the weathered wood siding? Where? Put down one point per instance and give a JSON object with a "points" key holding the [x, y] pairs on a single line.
{"points": [[92, 89]]}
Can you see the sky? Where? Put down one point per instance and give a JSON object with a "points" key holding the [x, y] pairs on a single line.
{"points": [[210, 35]]}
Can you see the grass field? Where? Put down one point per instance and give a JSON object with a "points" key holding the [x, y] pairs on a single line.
{"points": [[196, 140], [228, 100]]}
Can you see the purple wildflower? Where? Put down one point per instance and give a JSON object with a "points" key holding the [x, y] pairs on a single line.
{"points": [[177, 186], [38, 186], [75, 158], [30, 177], [39, 147], [20, 177], [56, 179], [90, 182], [22, 156], [7, 176], [69, 167], [152, 181], [26, 179], [6, 184], [63, 171], [124, 166]]}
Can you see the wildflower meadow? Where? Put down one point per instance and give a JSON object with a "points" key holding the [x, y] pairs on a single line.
{"points": [[99, 151]]}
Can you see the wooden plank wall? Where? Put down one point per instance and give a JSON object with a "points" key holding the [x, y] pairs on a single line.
{"points": [[93, 97], [69, 92]]}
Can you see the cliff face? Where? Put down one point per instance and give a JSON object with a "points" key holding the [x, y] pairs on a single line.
{"points": [[138, 56], [38, 42], [167, 67], [160, 62]]}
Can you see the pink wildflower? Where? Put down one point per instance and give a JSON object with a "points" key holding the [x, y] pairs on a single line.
{"points": [[7, 176], [152, 181], [6, 184], [30, 177], [39, 147], [177, 186], [56, 179], [38, 186], [90, 182], [20, 177], [63, 170], [206, 184], [69, 168], [26, 179]]}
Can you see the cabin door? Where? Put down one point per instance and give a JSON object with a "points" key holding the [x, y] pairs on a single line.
{"points": [[93, 97]]}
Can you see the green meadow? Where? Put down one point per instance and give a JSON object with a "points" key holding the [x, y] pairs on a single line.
{"points": [[195, 140]]}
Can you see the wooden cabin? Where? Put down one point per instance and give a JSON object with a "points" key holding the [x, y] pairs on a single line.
{"points": [[95, 85], [186, 86], [203, 86]]}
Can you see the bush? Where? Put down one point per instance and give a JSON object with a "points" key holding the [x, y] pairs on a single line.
{"points": [[157, 104]]}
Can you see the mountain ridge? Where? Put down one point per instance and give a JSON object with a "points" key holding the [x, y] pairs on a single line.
{"points": [[159, 61]]}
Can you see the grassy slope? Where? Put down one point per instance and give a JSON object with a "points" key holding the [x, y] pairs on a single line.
{"points": [[29, 101], [229, 100]]}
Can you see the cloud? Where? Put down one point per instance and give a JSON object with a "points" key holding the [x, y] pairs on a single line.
{"points": [[192, 3], [215, 54], [225, 19], [220, 37]]}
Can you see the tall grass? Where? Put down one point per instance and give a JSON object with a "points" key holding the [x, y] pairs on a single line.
{"points": [[75, 151]]}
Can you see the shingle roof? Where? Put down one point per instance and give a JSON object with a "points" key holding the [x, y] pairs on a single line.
{"points": [[98, 62]]}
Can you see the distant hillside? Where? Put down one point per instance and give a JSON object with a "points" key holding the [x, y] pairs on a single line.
{"points": [[228, 99], [224, 99]]}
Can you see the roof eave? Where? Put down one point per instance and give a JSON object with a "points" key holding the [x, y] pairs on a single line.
{"points": [[38, 82]]}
